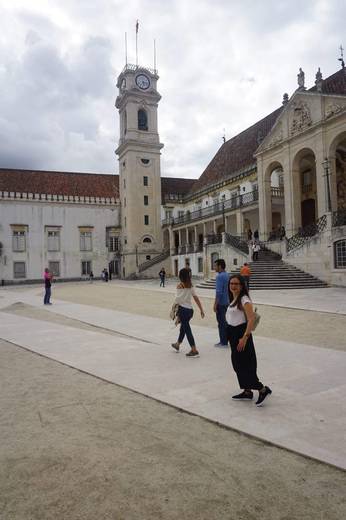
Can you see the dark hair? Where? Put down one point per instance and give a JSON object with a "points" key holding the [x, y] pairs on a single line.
{"points": [[185, 277], [220, 262], [243, 291]]}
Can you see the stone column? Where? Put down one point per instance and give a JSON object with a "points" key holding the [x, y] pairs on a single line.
{"points": [[321, 184], [240, 223], [171, 240], [195, 243], [214, 226], [264, 201]]}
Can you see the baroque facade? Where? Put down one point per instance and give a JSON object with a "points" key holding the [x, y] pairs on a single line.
{"points": [[287, 170]]}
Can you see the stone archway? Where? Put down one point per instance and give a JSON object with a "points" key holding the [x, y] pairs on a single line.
{"points": [[337, 155], [305, 202], [274, 198]]}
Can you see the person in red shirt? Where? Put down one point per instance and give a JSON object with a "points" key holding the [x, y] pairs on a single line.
{"points": [[245, 272]]}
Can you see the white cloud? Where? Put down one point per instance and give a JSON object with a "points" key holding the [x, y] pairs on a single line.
{"points": [[222, 64]]}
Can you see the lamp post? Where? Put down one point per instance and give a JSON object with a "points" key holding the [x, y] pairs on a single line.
{"points": [[326, 167]]}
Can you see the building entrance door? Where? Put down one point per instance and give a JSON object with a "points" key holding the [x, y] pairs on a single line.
{"points": [[308, 212]]}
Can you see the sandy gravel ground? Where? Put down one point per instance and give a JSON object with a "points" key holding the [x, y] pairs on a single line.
{"points": [[76, 448], [311, 328]]}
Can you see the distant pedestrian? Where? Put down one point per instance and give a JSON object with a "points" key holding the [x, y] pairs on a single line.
{"points": [[162, 275], [256, 235], [185, 292], [91, 277], [103, 276], [282, 232], [255, 250], [48, 278], [249, 234], [221, 301], [240, 318], [106, 275], [245, 272]]}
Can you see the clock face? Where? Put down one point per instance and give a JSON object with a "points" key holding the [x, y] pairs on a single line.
{"points": [[142, 81]]}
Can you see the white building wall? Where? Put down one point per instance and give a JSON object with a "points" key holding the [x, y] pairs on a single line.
{"points": [[68, 217]]}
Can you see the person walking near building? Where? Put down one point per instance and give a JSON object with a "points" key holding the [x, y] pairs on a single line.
{"points": [[240, 319], [249, 234], [221, 301], [91, 277], [185, 293], [48, 278], [162, 275], [245, 272], [255, 250]]}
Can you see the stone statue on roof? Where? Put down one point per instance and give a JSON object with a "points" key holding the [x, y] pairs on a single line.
{"points": [[301, 79], [318, 81]]}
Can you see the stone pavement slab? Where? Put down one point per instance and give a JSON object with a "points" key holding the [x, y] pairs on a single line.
{"points": [[306, 412]]}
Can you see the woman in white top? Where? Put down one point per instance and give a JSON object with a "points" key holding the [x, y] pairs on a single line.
{"points": [[185, 292], [240, 318]]}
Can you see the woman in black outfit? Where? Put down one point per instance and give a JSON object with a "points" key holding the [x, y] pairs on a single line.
{"points": [[240, 319]]}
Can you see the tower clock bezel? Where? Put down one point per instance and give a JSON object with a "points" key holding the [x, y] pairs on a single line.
{"points": [[142, 77]]}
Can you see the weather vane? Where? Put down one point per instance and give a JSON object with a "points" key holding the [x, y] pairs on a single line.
{"points": [[342, 56]]}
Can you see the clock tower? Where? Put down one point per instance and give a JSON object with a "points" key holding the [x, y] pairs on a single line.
{"points": [[139, 167]]}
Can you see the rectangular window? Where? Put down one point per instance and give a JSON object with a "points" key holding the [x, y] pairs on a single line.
{"points": [[168, 214], [54, 268], [113, 244], [146, 220], [200, 264], [85, 240], [145, 180], [18, 241], [53, 240], [86, 267], [19, 270], [146, 200], [340, 254]]}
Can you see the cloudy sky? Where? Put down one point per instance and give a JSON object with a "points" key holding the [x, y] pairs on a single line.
{"points": [[223, 64]]}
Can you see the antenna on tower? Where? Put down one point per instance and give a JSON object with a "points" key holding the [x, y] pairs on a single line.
{"points": [[125, 48], [137, 25], [154, 55], [342, 56]]}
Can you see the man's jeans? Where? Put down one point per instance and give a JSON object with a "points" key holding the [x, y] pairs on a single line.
{"points": [[47, 295], [222, 324]]}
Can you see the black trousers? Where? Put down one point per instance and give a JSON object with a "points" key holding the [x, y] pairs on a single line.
{"points": [[244, 362]]}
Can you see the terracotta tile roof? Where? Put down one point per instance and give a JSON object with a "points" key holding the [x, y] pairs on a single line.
{"points": [[334, 84], [237, 153], [59, 183], [175, 186]]}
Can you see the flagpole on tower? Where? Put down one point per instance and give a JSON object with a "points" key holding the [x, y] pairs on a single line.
{"points": [[137, 24], [155, 55], [125, 48]]}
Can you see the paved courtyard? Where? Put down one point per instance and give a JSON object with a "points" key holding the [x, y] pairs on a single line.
{"points": [[119, 332]]}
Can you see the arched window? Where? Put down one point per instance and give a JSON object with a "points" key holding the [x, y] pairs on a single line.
{"points": [[142, 119], [146, 240], [125, 122]]}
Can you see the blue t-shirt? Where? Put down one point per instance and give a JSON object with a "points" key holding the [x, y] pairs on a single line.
{"points": [[222, 280]]}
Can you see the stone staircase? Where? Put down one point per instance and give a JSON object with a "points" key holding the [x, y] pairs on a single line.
{"points": [[157, 259], [270, 272]]}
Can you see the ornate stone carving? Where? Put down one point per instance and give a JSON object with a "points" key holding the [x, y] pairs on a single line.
{"points": [[301, 119], [334, 108]]}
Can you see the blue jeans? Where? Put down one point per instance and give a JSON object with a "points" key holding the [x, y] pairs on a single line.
{"points": [[47, 295], [185, 316], [222, 324]]}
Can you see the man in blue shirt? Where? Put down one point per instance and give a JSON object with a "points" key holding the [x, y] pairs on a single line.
{"points": [[221, 300]]}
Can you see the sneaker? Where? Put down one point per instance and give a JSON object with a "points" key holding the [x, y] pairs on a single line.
{"points": [[244, 396], [193, 353], [220, 345], [263, 395], [176, 346]]}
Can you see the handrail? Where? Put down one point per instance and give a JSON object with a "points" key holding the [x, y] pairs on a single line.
{"points": [[306, 233], [215, 209], [153, 261], [237, 242], [339, 217]]}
